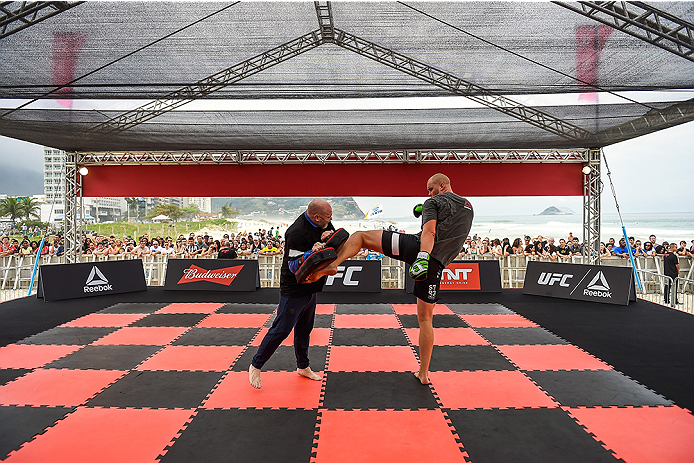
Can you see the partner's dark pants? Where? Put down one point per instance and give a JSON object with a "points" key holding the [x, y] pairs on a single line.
{"points": [[297, 313]]}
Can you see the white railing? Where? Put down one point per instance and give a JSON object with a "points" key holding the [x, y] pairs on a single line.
{"points": [[15, 273]]}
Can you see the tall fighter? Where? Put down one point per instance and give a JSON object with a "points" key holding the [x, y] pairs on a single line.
{"points": [[297, 307], [446, 222]]}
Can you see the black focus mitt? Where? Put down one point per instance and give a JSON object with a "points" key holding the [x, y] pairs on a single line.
{"points": [[337, 239]]}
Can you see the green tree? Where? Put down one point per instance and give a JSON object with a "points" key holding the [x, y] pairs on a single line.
{"points": [[133, 207], [172, 211], [190, 211], [11, 207], [30, 208], [228, 212]]}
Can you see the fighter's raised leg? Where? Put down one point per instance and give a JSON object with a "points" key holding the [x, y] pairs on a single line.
{"points": [[362, 239]]}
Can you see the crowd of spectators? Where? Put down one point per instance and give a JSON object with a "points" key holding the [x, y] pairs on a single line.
{"points": [[548, 248], [269, 242]]}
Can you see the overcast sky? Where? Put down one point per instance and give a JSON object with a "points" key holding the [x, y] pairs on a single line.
{"points": [[652, 173]]}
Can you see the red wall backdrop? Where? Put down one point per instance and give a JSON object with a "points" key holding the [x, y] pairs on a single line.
{"points": [[314, 180]]}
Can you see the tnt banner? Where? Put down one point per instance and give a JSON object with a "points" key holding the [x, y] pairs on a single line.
{"points": [[594, 283], [475, 275], [212, 275], [69, 281], [355, 276]]}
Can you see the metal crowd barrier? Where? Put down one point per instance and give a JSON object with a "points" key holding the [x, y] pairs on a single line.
{"points": [[15, 273]]}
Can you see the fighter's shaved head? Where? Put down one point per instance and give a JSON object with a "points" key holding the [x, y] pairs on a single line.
{"points": [[319, 206], [439, 178]]}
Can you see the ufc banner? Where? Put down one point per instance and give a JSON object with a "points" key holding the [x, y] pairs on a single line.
{"points": [[69, 281], [355, 276], [467, 275], [212, 274], [594, 283]]}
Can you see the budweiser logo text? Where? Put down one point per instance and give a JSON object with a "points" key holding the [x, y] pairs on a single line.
{"points": [[222, 276]]}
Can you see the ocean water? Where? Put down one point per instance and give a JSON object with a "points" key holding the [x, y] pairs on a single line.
{"points": [[665, 226]]}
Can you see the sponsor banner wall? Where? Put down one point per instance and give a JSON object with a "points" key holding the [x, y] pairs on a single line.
{"points": [[212, 274], [355, 276], [69, 281], [594, 283], [460, 275]]}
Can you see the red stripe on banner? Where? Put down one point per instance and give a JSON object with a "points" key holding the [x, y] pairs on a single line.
{"points": [[316, 180]]}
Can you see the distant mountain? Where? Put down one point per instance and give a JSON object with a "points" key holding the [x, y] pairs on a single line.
{"points": [[552, 210], [287, 208], [21, 182]]}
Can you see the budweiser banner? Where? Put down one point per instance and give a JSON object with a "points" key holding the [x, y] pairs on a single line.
{"points": [[475, 275], [212, 274], [595, 283], [69, 281]]}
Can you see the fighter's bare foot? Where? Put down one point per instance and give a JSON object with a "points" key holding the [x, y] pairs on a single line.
{"points": [[254, 376], [419, 375], [315, 276], [308, 373]]}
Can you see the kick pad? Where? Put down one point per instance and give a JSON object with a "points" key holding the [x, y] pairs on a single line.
{"points": [[337, 239], [316, 261]]}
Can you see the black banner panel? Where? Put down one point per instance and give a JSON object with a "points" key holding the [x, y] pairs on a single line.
{"points": [[594, 283], [355, 276], [482, 276], [212, 275], [70, 281]]}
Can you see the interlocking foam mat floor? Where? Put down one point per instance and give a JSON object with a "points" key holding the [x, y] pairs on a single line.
{"points": [[168, 381]]}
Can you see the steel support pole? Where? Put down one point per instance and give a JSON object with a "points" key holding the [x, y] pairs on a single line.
{"points": [[72, 224], [591, 208]]}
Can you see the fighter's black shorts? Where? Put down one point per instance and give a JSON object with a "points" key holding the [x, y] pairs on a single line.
{"points": [[405, 247]]}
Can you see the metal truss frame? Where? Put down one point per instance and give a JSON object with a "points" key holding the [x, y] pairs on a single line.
{"points": [[211, 84], [642, 21], [325, 20], [332, 157], [72, 221], [676, 114], [20, 15], [592, 187], [459, 86]]}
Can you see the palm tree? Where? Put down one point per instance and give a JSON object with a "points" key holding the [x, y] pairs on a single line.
{"points": [[29, 208], [11, 207]]}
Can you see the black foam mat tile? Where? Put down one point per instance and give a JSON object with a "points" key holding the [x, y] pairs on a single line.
{"points": [[10, 374], [246, 435], [134, 307], [439, 321], [105, 358], [376, 390], [20, 424], [158, 389], [323, 320], [519, 336], [170, 319], [526, 435], [216, 337], [247, 308], [364, 309], [69, 336], [606, 388], [463, 358], [283, 359], [479, 309], [368, 337]]}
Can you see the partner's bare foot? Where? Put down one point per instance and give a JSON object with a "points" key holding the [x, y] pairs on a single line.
{"points": [[315, 276], [419, 375], [308, 373], [254, 376]]}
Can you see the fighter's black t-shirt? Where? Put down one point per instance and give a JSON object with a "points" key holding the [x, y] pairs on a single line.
{"points": [[299, 238]]}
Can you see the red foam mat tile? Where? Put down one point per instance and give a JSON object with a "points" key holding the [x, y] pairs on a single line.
{"points": [[147, 336], [32, 355], [411, 309], [325, 308], [190, 307], [105, 435], [104, 320], [188, 358], [366, 321], [552, 357], [642, 434], [280, 389], [56, 387], [319, 337], [498, 321], [378, 358], [488, 389], [450, 337], [234, 320], [386, 436]]}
